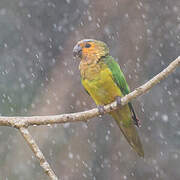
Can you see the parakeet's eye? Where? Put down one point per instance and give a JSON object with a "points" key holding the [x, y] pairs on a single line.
{"points": [[87, 45]]}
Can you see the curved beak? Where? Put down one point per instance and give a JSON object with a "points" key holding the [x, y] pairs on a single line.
{"points": [[77, 51]]}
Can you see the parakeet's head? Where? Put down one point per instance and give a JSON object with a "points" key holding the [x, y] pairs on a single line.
{"points": [[90, 49]]}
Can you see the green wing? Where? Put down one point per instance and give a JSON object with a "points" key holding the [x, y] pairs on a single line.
{"points": [[120, 80], [118, 75]]}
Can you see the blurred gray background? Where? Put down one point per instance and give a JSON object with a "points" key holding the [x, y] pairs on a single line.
{"points": [[38, 76]]}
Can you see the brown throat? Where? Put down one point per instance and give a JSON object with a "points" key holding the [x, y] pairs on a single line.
{"points": [[89, 70]]}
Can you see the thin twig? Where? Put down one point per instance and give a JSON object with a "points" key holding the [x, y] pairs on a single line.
{"points": [[23, 122], [39, 155], [84, 116]]}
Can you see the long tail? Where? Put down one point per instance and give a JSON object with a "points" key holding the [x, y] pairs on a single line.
{"points": [[124, 120]]}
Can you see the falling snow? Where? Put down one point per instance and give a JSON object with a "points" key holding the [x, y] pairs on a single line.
{"points": [[38, 76]]}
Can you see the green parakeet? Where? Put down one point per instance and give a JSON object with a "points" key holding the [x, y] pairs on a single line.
{"points": [[104, 81]]}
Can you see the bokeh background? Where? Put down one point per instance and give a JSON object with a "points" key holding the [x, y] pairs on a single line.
{"points": [[38, 76]]}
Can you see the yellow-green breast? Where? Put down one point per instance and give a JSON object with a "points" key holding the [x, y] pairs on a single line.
{"points": [[98, 81]]}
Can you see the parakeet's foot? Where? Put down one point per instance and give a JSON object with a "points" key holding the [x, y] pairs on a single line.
{"points": [[118, 100], [101, 109]]}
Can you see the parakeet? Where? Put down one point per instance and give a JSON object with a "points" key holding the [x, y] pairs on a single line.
{"points": [[104, 81]]}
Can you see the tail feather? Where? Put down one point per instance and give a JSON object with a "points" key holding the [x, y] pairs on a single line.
{"points": [[124, 120], [136, 120]]}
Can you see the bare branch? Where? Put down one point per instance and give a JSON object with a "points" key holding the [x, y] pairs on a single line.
{"points": [[39, 155], [84, 116], [23, 122]]}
